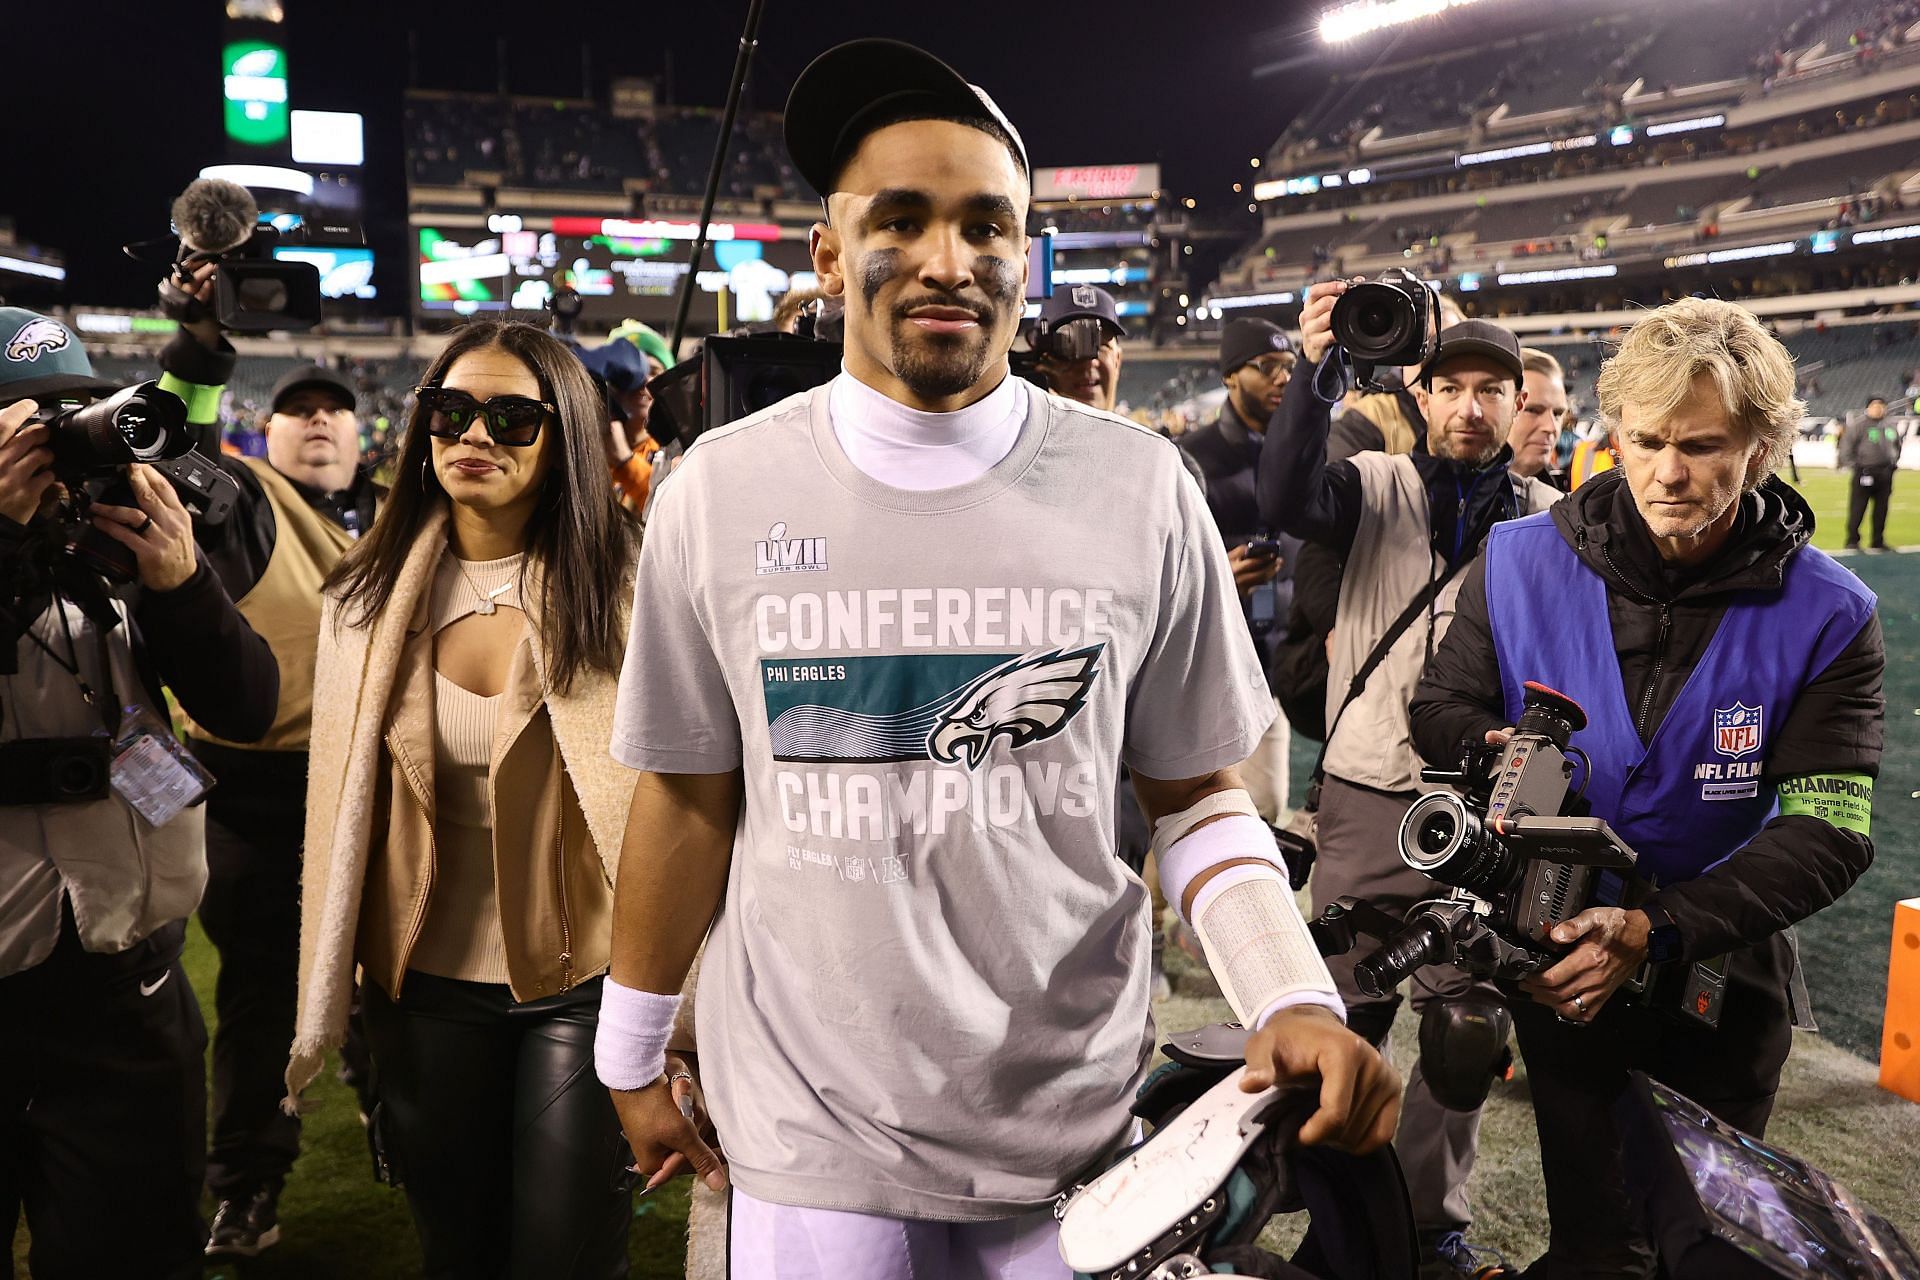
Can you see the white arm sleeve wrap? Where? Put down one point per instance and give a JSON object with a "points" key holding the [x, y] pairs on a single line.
{"points": [[1258, 946], [1182, 857], [630, 1044]]}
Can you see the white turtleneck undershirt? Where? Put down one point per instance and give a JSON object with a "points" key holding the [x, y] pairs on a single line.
{"points": [[910, 449]]}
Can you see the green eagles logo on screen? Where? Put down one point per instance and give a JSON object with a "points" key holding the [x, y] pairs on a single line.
{"points": [[949, 708]]}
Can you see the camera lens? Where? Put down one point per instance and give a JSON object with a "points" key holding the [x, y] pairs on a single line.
{"points": [[1374, 321], [75, 775], [1440, 837], [1379, 323], [142, 433]]}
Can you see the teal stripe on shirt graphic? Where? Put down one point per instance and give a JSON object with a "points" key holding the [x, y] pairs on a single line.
{"points": [[946, 707]]}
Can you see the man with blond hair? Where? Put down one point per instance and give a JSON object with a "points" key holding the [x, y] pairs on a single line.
{"points": [[1731, 678]]}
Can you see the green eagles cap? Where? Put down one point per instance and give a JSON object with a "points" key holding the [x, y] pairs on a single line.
{"points": [[42, 357], [646, 339]]}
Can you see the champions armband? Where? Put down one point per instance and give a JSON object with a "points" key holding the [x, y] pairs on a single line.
{"points": [[1258, 946], [630, 1043], [1843, 800]]}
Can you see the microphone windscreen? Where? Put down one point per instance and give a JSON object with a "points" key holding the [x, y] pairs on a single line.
{"points": [[213, 215]]}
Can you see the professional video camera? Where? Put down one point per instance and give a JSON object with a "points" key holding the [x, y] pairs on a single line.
{"points": [[1387, 323], [733, 377], [94, 444], [253, 292], [1516, 865]]}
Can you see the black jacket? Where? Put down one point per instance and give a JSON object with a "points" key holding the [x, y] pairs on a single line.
{"points": [[1228, 451], [1302, 493], [240, 546], [190, 639], [1662, 620]]}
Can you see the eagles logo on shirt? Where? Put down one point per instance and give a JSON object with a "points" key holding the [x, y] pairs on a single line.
{"points": [[1024, 702], [950, 708]]}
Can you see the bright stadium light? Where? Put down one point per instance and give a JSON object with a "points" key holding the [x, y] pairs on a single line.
{"points": [[1359, 17]]}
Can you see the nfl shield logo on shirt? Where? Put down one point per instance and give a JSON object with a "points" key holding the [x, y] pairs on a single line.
{"points": [[1736, 730]]}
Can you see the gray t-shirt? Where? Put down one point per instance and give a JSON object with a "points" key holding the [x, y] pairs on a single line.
{"points": [[926, 992]]}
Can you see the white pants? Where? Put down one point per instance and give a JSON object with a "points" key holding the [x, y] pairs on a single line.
{"points": [[1266, 770], [791, 1242]]}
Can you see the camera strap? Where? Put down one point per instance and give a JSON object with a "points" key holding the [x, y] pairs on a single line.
{"points": [[106, 706], [1358, 684]]}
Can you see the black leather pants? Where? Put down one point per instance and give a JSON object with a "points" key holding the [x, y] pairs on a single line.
{"points": [[506, 1142]]}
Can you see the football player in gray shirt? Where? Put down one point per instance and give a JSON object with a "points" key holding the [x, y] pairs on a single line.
{"points": [[891, 639]]}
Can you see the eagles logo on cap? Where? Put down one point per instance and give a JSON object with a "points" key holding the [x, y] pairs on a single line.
{"points": [[36, 338]]}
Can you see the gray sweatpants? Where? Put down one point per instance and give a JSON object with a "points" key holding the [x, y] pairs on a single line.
{"points": [[1359, 839]]}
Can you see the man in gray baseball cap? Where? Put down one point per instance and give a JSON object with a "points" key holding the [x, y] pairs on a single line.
{"points": [[1077, 337]]}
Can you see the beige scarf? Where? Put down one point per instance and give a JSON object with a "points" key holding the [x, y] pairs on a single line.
{"points": [[353, 679]]}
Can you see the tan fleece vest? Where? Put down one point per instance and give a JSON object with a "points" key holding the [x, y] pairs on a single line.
{"points": [[284, 606]]}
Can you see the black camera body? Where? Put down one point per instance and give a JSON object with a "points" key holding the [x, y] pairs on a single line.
{"points": [[253, 292], [94, 444], [55, 770], [1387, 323], [1516, 864], [732, 377]]}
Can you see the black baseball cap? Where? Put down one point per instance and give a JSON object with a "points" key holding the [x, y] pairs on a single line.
{"points": [[311, 375], [1477, 338], [1247, 339], [850, 90], [1081, 301]]}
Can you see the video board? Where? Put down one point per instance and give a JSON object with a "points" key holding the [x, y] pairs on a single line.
{"points": [[619, 267]]}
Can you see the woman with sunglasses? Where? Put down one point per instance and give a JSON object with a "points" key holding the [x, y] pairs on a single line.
{"points": [[465, 818]]}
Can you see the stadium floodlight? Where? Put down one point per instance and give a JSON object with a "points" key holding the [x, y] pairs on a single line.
{"points": [[262, 177], [1778, 249], [1359, 17], [28, 267], [1552, 276], [1666, 127], [1253, 300], [1883, 235]]}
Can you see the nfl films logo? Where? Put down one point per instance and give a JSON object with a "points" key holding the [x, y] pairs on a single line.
{"points": [[1736, 730]]}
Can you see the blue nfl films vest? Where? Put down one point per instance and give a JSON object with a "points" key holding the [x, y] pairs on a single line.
{"points": [[1693, 796]]}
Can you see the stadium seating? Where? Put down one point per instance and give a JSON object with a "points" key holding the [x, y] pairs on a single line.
{"points": [[1844, 173], [578, 146]]}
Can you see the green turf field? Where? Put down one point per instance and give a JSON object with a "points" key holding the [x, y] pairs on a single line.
{"points": [[337, 1222], [1826, 493]]}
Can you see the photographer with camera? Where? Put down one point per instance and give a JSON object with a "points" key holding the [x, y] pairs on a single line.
{"points": [[1731, 675], [1075, 341], [1256, 361], [1408, 525], [103, 599]]}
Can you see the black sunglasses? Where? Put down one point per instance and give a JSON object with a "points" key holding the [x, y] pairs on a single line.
{"points": [[513, 421]]}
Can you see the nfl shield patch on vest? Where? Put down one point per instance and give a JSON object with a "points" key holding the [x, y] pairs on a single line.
{"points": [[1736, 730]]}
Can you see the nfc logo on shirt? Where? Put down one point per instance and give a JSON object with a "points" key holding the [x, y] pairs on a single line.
{"points": [[781, 554], [1736, 730]]}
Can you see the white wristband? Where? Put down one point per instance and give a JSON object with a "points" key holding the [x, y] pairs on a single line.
{"points": [[1258, 946], [630, 1045], [1238, 835]]}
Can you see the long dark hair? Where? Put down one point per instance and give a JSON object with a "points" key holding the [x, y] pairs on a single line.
{"points": [[584, 542]]}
